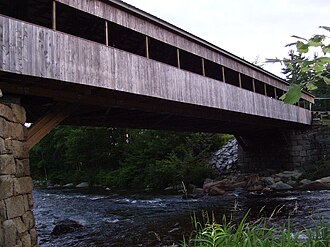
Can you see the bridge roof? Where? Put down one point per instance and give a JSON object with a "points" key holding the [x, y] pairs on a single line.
{"points": [[143, 14]]}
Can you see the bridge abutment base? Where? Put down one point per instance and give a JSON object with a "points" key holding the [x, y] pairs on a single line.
{"points": [[17, 224], [288, 150]]}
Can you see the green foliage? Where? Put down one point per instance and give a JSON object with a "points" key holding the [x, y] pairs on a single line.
{"points": [[303, 72], [257, 234], [124, 158]]}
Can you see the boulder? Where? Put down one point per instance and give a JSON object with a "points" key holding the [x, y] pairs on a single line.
{"points": [[66, 226], [83, 185], [324, 180], [267, 180], [256, 187], [305, 181], [289, 175], [281, 186], [215, 191], [315, 186], [69, 185]]}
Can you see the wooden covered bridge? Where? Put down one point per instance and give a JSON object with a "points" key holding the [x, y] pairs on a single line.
{"points": [[106, 63]]}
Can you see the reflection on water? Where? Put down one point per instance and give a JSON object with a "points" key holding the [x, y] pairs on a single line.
{"points": [[156, 220]]}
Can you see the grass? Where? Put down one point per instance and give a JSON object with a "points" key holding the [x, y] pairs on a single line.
{"points": [[256, 234]]}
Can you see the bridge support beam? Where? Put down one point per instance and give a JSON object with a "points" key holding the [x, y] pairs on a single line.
{"points": [[17, 225], [285, 150], [48, 122]]}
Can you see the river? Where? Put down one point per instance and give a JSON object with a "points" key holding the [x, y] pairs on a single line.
{"points": [[159, 219]]}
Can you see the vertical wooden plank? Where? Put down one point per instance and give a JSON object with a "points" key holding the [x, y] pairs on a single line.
{"points": [[253, 85], [240, 80], [54, 15], [275, 93], [223, 73], [178, 57], [265, 89], [147, 47], [106, 33], [203, 66]]}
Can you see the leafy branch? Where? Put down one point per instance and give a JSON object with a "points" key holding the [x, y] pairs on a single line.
{"points": [[304, 72]]}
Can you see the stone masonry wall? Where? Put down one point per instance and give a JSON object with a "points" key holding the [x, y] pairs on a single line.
{"points": [[17, 225], [299, 149], [310, 146]]}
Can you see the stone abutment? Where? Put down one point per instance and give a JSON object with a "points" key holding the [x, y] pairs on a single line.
{"points": [[17, 224], [296, 149]]}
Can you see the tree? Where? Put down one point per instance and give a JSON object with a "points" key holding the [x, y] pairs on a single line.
{"points": [[304, 72]]}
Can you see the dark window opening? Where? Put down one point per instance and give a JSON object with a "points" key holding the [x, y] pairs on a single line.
{"points": [[279, 93], [78, 23], [213, 70], [304, 104], [231, 77], [127, 39], [162, 52], [38, 12], [190, 62], [259, 87], [247, 82], [270, 91]]}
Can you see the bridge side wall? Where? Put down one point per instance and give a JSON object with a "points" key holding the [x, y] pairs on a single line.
{"points": [[299, 149], [17, 225]]}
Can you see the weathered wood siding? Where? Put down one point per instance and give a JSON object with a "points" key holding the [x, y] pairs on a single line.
{"points": [[36, 51], [142, 25]]}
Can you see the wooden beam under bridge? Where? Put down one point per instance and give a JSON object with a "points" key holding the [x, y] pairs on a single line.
{"points": [[48, 122]]}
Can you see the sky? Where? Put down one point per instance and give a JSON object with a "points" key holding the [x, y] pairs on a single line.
{"points": [[250, 29]]}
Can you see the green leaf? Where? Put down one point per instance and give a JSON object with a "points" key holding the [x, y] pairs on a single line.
{"points": [[323, 60], [326, 79], [318, 67], [326, 49], [293, 95], [302, 47], [311, 86], [316, 40]]}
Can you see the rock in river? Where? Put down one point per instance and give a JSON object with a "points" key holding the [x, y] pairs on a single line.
{"points": [[66, 226], [82, 185]]}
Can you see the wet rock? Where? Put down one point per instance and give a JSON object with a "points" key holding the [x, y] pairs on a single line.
{"points": [[292, 183], [281, 186], [289, 175], [66, 226], [215, 191], [256, 187], [267, 180], [197, 191], [69, 185], [315, 186], [82, 185], [305, 181], [324, 180]]}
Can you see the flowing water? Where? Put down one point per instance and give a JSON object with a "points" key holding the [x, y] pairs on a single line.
{"points": [[149, 219]]}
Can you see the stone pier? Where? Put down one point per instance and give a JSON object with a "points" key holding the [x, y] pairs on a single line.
{"points": [[17, 225], [296, 149]]}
